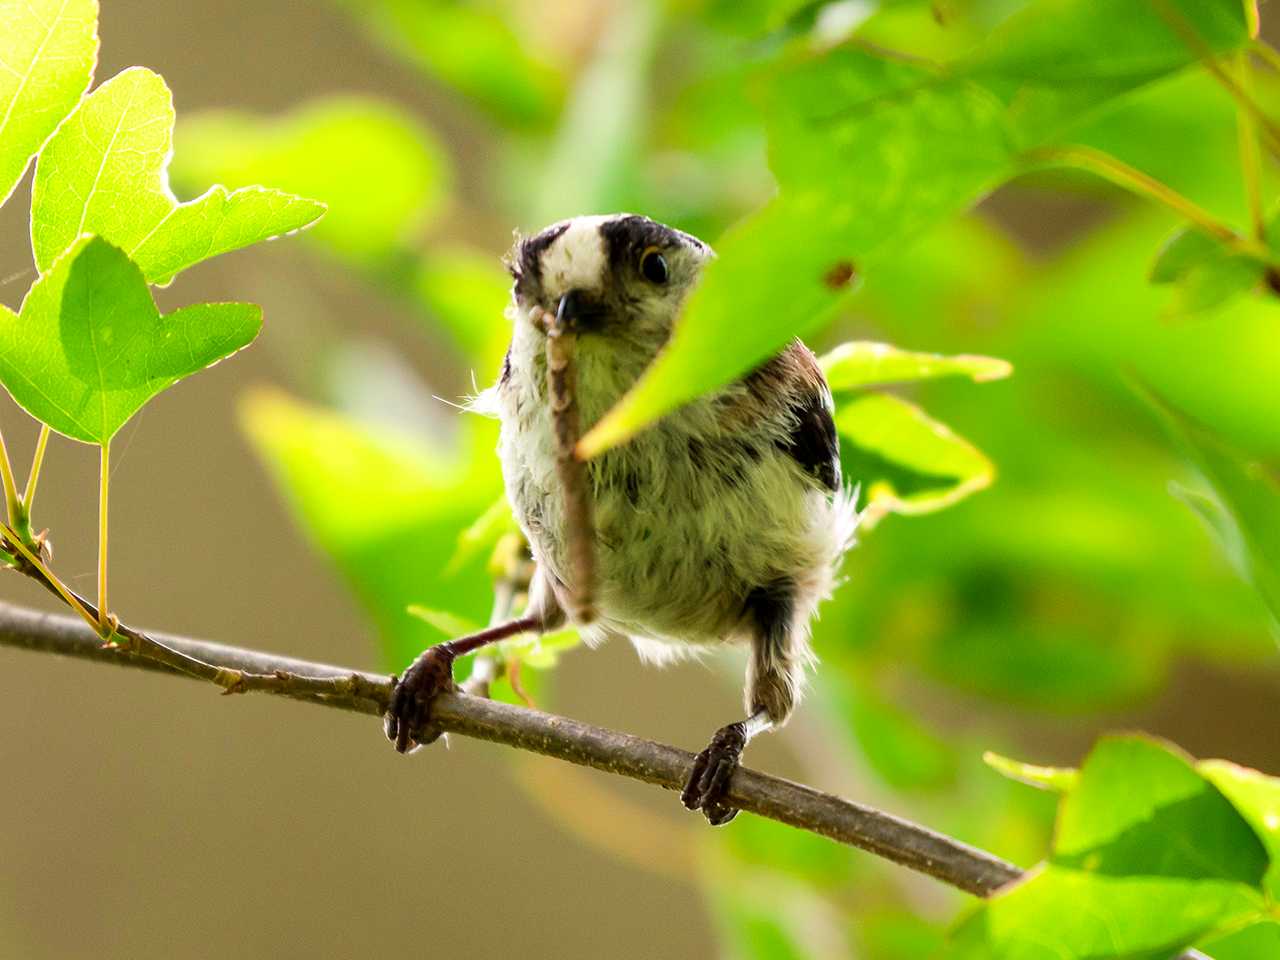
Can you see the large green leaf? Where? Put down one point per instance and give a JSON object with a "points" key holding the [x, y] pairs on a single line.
{"points": [[89, 348], [104, 172], [381, 173], [47, 52], [1149, 857], [869, 151]]}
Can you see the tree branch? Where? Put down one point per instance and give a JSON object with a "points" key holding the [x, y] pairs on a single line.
{"points": [[900, 841], [882, 834]]}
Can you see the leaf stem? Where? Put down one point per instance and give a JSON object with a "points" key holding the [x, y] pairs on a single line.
{"points": [[1250, 157], [12, 504], [104, 478], [1267, 53], [1134, 180], [29, 495]]}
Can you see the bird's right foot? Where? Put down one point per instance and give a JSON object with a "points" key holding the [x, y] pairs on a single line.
{"points": [[407, 722]]}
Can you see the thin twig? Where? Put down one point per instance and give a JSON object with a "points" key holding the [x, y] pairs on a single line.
{"points": [[1134, 180], [1250, 157], [119, 636], [570, 470], [883, 834]]}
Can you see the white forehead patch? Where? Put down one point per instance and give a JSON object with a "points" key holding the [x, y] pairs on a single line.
{"points": [[577, 259]]}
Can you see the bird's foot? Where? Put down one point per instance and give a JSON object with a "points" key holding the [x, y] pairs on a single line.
{"points": [[709, 778], [407, 720]]}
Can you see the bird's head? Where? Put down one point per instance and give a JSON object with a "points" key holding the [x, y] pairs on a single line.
{"points": [[618, 281]]}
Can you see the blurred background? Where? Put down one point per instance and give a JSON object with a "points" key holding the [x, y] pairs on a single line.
{"points": [[299, 497]]}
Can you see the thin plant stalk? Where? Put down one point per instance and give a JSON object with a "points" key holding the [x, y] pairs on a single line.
{"points": [[1134, 180], [104, 618], [12, 504], [29, 495], [1250, 154]]}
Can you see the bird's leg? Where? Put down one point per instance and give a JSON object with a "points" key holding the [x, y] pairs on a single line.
{"points": [[407, 719], [775, 673], [712, 768]]}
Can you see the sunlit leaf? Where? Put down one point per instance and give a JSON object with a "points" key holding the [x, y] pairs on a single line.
{"points": [[906, 461], [863, 363], [381, 173], [89, 347], [104, 172], [1149, 857], [1057, 779], [868, 152], [47, 53]]}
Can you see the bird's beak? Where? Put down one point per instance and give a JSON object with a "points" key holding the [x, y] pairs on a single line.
{"points": [[575, 312]]}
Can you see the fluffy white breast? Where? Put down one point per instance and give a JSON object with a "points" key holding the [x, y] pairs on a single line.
{"points": [[577, 259]]}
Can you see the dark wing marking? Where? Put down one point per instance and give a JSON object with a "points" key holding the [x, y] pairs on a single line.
{"points": [[813, 442]]}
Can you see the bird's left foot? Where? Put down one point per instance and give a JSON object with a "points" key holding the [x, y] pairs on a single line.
{"points": [[709, 778], [407, 720]]}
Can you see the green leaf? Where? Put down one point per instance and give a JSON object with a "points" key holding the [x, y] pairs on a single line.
{"points": [[1149, 857], [388, 508], [1208, 274], [1249, 500], [89, 348], [47, 52], [1257, 798], [470, 48], [1050, 64], [1057, 779], [907, 462], [869, 152], [1183, 250], [104, 172], [384, 177], [863, 363]]}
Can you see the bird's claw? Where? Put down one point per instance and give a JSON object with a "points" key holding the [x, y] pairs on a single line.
{"points": [[709, 778], [407, 720]]}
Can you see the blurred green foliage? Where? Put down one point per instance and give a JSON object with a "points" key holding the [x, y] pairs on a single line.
{"points": [[1122, 511]]}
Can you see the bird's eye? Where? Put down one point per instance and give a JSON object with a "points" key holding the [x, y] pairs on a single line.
{"points": [[653, 265]]}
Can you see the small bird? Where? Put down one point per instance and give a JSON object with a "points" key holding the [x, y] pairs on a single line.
{"points": [[723, 523]]}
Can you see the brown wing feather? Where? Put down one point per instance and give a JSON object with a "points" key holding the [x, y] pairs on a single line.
{"points": [[794, 377]]}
